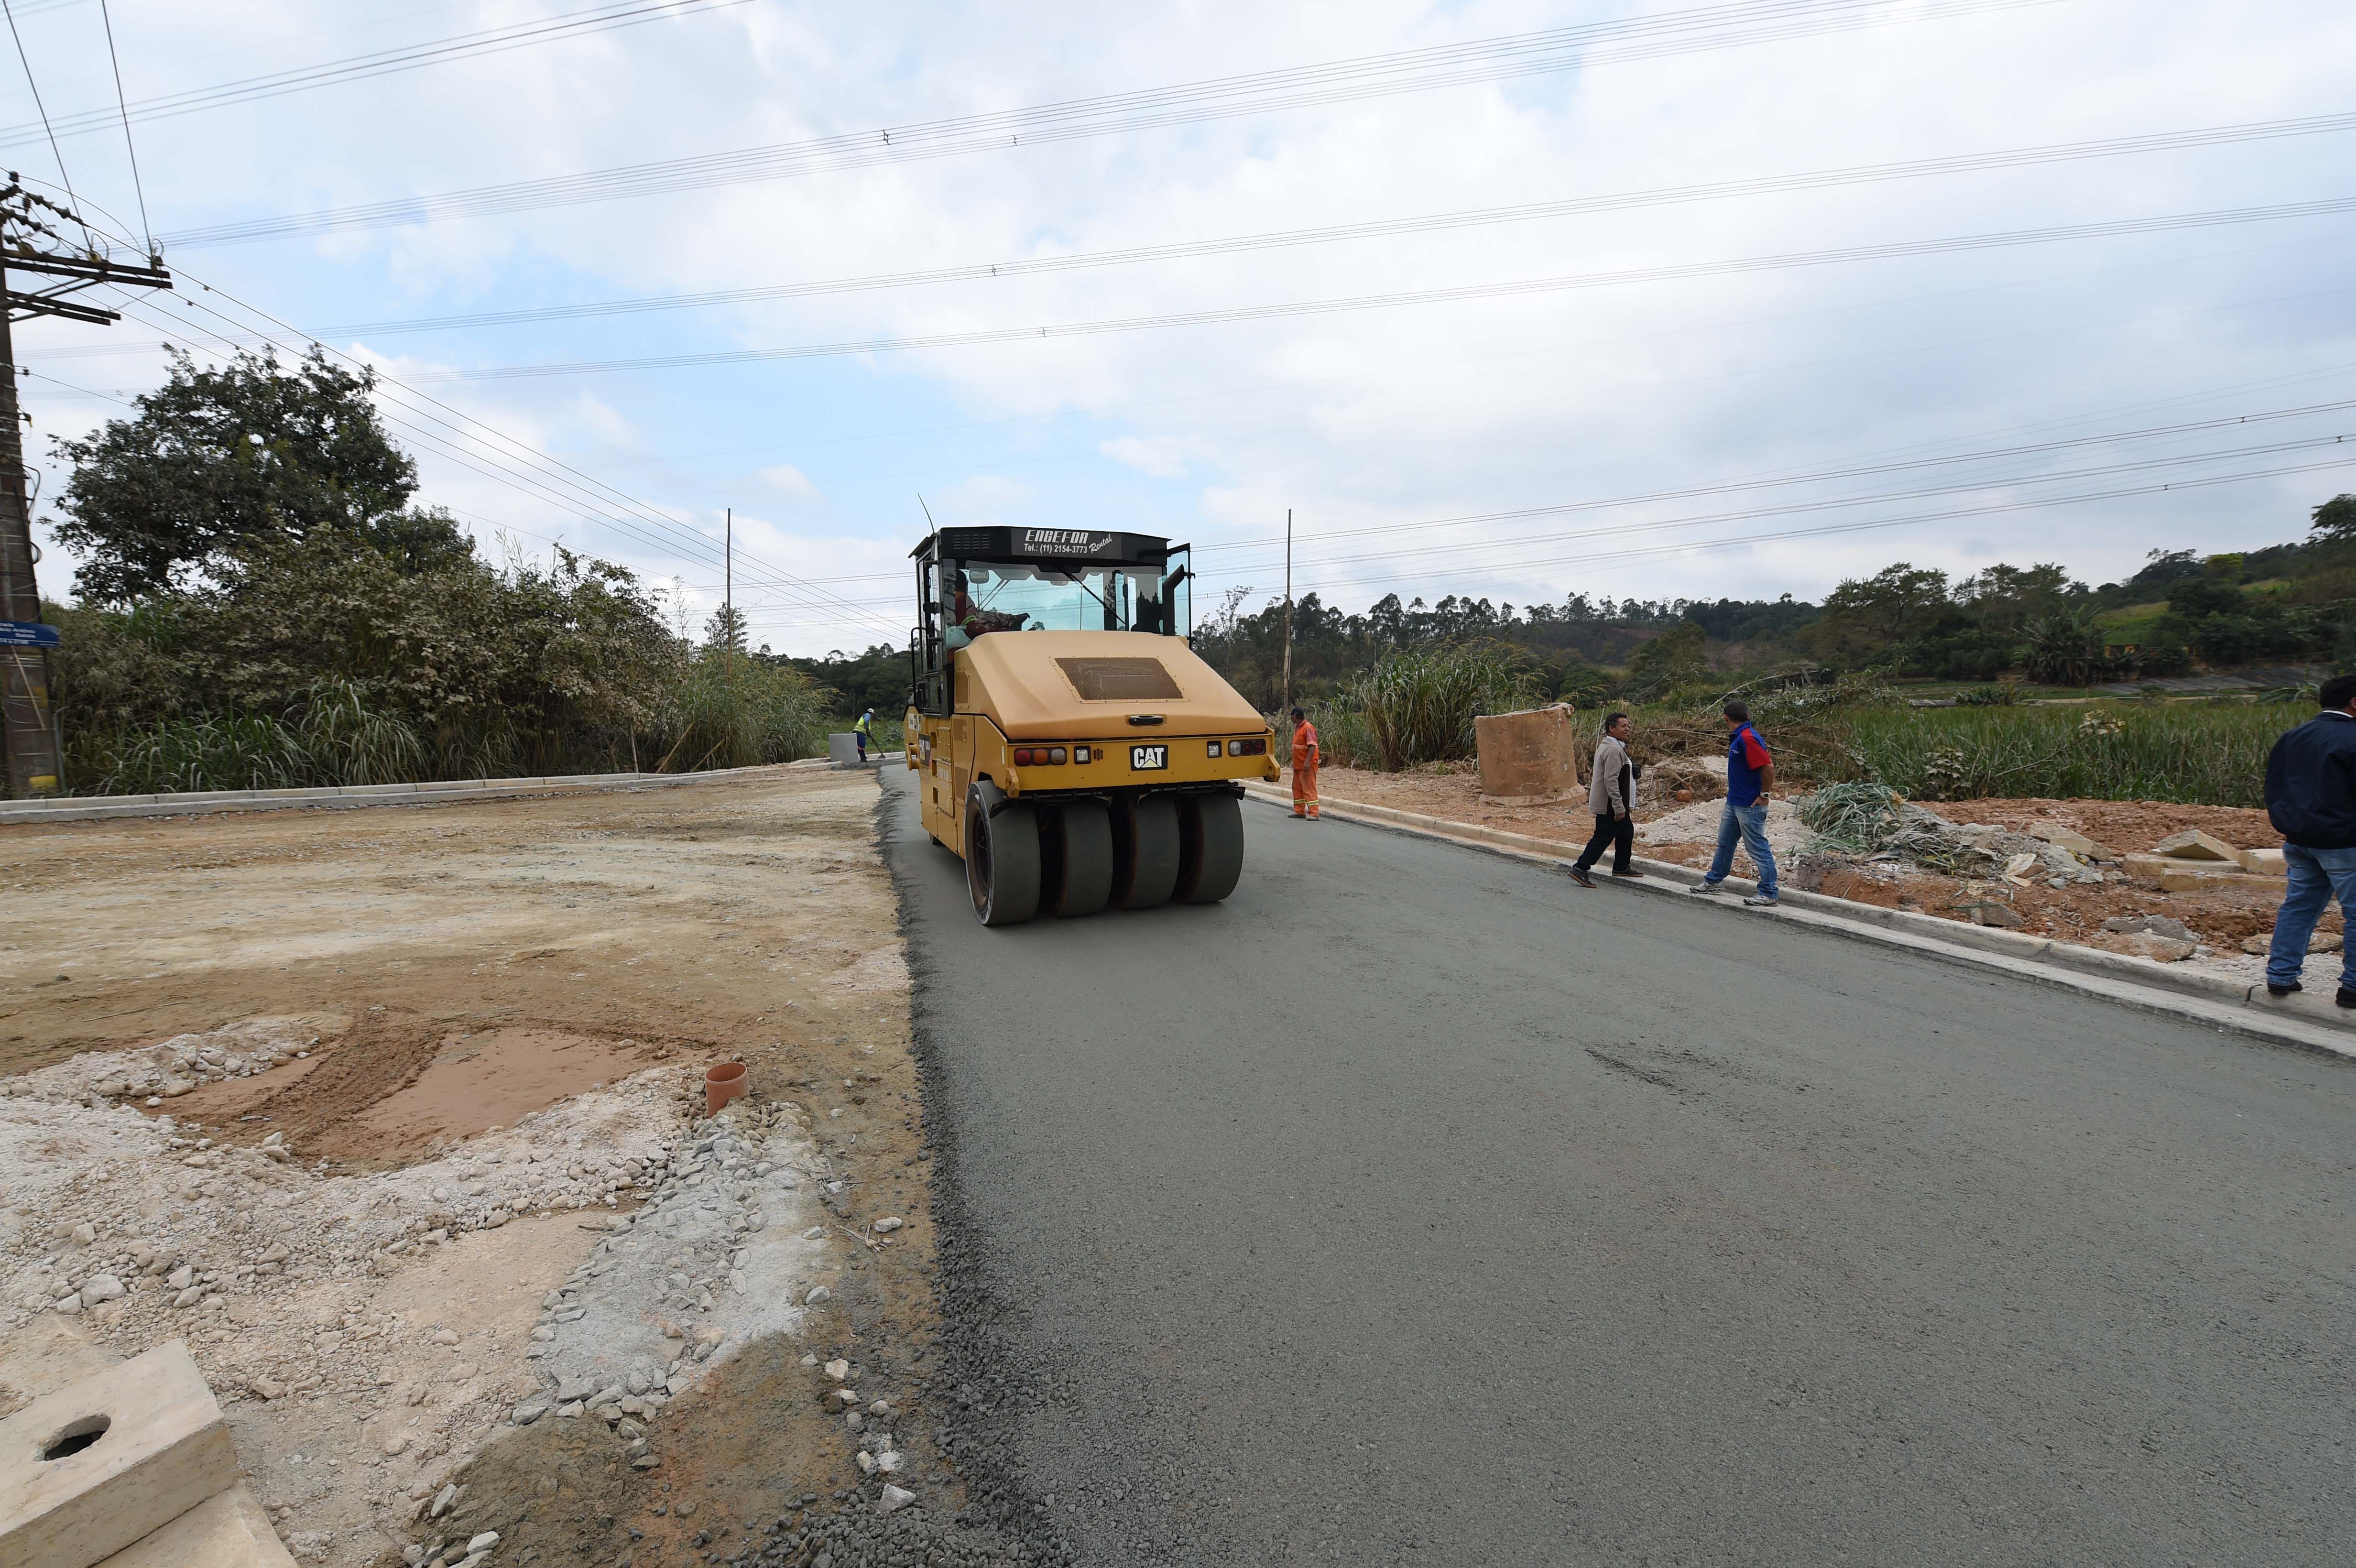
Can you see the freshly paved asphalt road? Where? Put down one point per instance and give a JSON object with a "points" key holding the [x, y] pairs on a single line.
{"points": [[1416, 1206]]}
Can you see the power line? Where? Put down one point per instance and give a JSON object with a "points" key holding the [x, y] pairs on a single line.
{"points": [[64, 178], [550, 479], [1378, 229], [1820, 477], [1523, 286], [125, 109], [477, 446], [1746, 541], [384, 62], [1667, 525], [1505, 58], [1410, 570], [1815, 477]]}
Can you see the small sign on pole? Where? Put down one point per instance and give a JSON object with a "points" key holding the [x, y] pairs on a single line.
{"points": [[27, 635]]}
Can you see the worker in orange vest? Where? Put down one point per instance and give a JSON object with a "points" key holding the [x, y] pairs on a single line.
{"points": [[1304, 766]]}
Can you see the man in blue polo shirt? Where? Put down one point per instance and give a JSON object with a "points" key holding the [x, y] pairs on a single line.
{"points": [[2311, 801], [1749, 780]]}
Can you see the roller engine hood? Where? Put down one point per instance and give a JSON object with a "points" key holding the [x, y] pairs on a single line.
{"points": [[1083, 686]]}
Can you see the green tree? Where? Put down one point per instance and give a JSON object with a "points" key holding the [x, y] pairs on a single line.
{"points": [[1674, 659], [221, 458], [2002, 597], [2335, 521], [1866, 616]]}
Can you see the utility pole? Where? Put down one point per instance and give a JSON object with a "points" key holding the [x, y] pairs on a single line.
{"points": [[1288, 613], [30, 243], [728, 598]]}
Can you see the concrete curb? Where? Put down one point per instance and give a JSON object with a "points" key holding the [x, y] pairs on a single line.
{"points": [[2312, 1022], [101, 808]]}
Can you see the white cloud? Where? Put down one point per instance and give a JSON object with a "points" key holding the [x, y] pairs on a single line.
{"points": [[1160, 459], [789, 483]]}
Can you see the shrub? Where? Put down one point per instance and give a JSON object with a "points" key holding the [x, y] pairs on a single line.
{"points": [[1416, 705]]}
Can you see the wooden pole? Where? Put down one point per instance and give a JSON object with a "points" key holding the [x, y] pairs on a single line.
{"points": [[31, 738], [1288, 615], [728, 598]]}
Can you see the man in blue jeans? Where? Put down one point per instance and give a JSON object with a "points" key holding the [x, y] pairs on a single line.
{"points": [[2311, 801], [1750, 782]]}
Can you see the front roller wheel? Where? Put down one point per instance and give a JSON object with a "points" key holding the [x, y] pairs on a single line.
{"points": [[1001, 857], [1145, 852], [1211, 849], [1076, 865]]}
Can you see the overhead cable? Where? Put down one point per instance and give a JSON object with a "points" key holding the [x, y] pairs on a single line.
{"points": [[1818, 476], [1522, 286], [483, 449], [146, 230], [9, 9], [1667, 525], [1553, 50], [1751, 540], [383, 62], [2170, 141]]}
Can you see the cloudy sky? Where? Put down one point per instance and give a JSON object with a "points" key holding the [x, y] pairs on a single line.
{"points": [[1595, 320]]}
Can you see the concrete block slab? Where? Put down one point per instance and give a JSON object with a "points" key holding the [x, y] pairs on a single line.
{"points": [[96, 1466], [228, 1530], [2194, 845]]}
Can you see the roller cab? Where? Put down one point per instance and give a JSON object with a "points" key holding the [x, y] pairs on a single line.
{"points": [[1069, 745]]}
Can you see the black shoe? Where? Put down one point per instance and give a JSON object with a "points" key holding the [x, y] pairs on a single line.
{"points": [[1631, 875], [2346, 998], [1581, 878], [2274, 990]]}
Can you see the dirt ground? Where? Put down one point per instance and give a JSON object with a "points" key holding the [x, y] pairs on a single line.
{"points": [[2221, 918], [462, 969]]}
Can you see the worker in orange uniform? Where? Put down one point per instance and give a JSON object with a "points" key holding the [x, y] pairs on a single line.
{"points": [[1304, 766]]}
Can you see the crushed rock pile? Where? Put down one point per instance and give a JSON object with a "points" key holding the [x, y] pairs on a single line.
{"points": [[112, 1205], [1698, 823], [1923, 837], [361, 1417], [169, 1069], [734, 1221]]}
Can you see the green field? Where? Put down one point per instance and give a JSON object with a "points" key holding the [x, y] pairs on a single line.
{"points": [[2211, 754]]}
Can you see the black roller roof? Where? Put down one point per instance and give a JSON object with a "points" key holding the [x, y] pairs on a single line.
{"points": [[1045, 547]]}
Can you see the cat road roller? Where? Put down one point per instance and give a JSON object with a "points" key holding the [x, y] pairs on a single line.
{"points": [[1068, 744]]}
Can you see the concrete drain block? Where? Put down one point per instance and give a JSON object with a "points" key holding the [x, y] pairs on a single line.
{"points": [[88, 1470]]}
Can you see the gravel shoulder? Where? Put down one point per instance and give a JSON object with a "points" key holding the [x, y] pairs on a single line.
{"points": [[396, 1119]]}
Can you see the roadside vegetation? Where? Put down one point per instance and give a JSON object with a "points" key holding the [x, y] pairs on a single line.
{"points": [[1415, 708], [2012, 681], [261, 606]]}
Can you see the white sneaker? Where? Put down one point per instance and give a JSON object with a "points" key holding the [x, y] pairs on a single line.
{"points": [[1705, 888], [1755, 901]]}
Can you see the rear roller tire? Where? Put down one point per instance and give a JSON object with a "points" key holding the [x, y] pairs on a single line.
{"points": [[1002, 859], [1076, 875], [1211, 849], [1145, 852]]}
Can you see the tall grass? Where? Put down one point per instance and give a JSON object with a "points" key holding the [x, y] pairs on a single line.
{"points": [[1416, 705], [716, 717], [336, 738], [2203, 754], [705, 717]]}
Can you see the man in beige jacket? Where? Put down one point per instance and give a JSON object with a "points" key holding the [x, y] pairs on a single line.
{"points": [[1611, 795]]}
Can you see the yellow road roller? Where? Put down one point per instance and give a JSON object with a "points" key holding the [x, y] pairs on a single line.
{"points": [[1068, 743]]}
